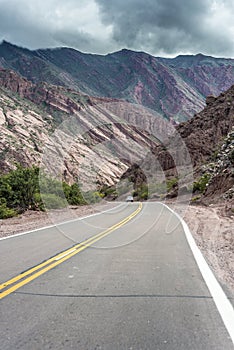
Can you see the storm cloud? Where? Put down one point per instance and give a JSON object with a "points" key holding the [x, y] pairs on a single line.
{"points": [[170, 26], [160, 27]]}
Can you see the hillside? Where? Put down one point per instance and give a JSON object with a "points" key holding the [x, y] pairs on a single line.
{"points": [[102, 140], [209, 139], [70, 134], [175, 88]]}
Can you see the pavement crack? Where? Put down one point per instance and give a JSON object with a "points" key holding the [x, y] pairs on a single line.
{"points": [[117, 295]]}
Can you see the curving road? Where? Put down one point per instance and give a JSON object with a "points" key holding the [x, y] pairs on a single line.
{"points": [[123, 279]]}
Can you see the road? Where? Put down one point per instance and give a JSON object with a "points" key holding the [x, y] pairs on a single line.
{"points": [[123, 279]]}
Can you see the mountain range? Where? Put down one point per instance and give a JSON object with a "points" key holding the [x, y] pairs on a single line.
{"points": [[103, 141], [175, 88]]}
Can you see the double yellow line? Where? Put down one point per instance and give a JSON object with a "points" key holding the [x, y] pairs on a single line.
{"points": [[20, 280]]}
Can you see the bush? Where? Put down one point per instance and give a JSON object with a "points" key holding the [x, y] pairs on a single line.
{"points": [[5, 212], [200, 184], [18, 187], [141, 192], [171, 184], [23, 189], [51, 201], [196, 198], [73, 194], [93, 197]]}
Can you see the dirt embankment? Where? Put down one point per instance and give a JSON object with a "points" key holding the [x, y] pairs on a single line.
{"points": [[213, 232]]}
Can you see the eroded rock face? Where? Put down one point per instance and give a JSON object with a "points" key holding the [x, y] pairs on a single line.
{"points": [[12, 81], [208, 137], [89, 139], [221, 171], [210, 99], [41, 94], [203, 134]]}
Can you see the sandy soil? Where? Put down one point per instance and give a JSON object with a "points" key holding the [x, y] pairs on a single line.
{"points": [[212, 230]]}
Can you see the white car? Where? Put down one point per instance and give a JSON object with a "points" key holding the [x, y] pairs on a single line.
{"points": [[129, 199]]}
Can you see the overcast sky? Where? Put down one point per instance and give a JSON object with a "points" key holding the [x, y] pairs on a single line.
{"points": [[159, 27]]}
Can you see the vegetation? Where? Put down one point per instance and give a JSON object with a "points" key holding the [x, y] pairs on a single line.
{"points": [[171, 183], [25, 188], [109, 192], [92, 197], [196, 198], [6, 212], [141, 192], [201, 183]]}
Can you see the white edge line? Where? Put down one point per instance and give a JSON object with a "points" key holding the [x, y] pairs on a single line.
{"points": [[222, 303], [59, 224]]}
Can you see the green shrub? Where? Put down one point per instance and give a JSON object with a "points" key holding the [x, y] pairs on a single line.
{"points": [[201, 183], [171, 183], [51, 201], [93, 197], [18, 187], [22, 189], [5, 212], [141, 192], [196, 198], [73, 194], [144, 195], [111, 192]]}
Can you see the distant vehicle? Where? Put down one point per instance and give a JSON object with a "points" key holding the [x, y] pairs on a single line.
{"points": [[129, 199]]}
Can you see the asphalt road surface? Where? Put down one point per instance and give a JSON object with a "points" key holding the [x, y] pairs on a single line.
{"points": [[123, 279]]}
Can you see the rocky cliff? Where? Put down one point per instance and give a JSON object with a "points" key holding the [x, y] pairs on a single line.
{"points": [[208, 138], [100, 141], [175, 88], [72, 135], [204, 133]]}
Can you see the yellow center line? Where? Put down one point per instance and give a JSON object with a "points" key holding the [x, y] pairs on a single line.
{"points": [[60, 258]]}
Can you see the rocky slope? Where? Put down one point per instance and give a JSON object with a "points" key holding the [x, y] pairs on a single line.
{"points": [[175, 88], [102, 140], [208, 138], [70, 134], [221, 172]]}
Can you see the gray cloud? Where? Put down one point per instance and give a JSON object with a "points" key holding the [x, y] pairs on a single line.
{"points": [[160, 27], [54, 23], [169, 26]]}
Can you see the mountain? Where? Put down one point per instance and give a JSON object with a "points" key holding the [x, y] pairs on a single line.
{"points": [[68, 133], [208, 137], [109, 142], [175, 88]]}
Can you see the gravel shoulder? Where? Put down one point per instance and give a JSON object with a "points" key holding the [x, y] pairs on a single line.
{"points": [[212, 231]]}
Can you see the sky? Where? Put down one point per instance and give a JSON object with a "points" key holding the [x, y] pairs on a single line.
{"points": [[160, 27]]}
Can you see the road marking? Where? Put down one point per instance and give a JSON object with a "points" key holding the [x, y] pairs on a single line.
{"points": [[221, 301], [49, 264], [59, 224], [65, 254]]}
